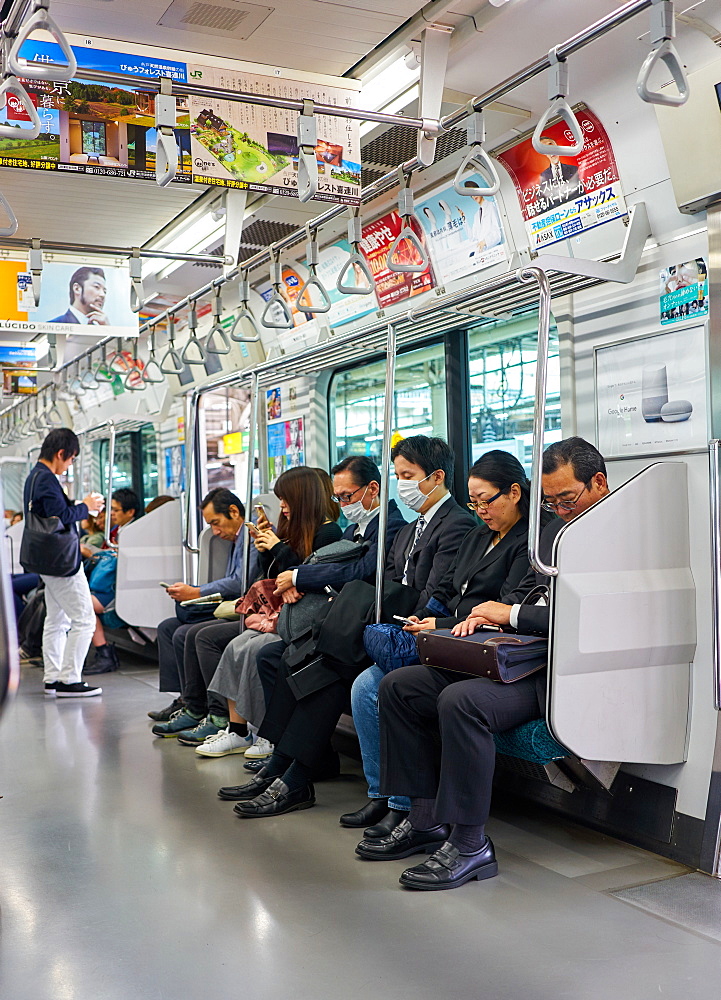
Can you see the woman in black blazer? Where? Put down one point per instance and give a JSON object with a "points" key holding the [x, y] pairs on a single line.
{"points": [[492, 559]]}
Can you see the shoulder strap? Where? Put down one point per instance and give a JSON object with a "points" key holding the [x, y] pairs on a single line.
{"points": [[541, 590], [32, 486]]}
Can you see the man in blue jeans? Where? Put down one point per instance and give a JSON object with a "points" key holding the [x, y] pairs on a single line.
{"points": [[70, 619]]}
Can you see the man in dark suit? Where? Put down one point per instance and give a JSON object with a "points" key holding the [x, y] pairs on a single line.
{"points": [[450, 806], [87, 298], [421, 556], [559, 182]]}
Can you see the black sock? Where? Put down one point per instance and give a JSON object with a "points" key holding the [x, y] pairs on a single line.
{"points": [[297, 775], [421, 815], [239, 728], [277, 764], [468, 839]]}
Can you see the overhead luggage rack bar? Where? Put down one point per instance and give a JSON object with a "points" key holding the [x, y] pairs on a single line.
{"points": [[106, 251]]}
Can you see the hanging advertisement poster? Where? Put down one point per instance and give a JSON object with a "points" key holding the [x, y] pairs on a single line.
{"points": [[464, 233], [393, 286], [563, 196], [18, 369], [651, 394], [286, 447], [175, 470], [344, 308], [94, 128], [73, 297], [684, 292], [248, 146]]}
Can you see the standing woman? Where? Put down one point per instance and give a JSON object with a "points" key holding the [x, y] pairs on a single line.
{"points": [[70, 619]]}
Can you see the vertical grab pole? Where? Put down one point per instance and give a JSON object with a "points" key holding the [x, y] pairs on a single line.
{"points": [[385, 462], [191, 444], [714, 477], [538, 275], [109, 489], [252, 430]]}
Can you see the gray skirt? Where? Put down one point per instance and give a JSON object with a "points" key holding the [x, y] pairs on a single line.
{"points": [[237, 677]]}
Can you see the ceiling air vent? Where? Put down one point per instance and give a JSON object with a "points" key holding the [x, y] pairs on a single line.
{"points": [[229, 18]]}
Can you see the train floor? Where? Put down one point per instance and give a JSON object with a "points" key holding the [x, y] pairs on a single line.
{"points": [[124, 877]]}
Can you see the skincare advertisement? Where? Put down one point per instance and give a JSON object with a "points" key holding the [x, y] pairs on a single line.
{"points": [[651, 395]]}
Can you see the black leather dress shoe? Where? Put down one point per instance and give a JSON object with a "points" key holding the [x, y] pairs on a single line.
{"points": [[373, 811], [243, 793], [278, 799], [389, 822], [448, 868], [402, 842], [165, 714]]}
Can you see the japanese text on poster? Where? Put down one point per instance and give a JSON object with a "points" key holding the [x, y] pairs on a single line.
{"points": [[684, 292], [286, 446], [394, 286], [562, 196]]}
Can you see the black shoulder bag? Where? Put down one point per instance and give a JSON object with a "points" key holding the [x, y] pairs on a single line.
{"points": [[48, 547]]}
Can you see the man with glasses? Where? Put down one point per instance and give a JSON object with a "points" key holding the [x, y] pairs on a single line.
{"points": [[450, 807], [574, 479]]}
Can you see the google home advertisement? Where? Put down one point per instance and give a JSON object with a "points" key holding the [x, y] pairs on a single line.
{"points": [[651, 395]]}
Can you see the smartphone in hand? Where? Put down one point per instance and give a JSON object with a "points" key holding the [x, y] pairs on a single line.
{"points": [[406, 621]]}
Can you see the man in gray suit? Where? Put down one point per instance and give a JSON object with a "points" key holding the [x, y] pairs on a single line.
{"points": [[450, 806]]}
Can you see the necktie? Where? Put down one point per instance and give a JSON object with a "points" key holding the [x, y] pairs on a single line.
{"points": [[557, 175], [420, 528]]}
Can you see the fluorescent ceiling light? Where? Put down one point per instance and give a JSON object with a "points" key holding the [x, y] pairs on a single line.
{"points": [[193, 239], [393, 107], [387, 85]]}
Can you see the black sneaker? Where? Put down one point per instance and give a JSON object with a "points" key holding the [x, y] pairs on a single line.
{"points": [[164, 714], [79, 690], [50, 689]]}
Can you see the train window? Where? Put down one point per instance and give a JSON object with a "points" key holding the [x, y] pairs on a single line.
{"points": [[223, 413], [136, 462], [357, 398], [502, 368], [149, 462]]}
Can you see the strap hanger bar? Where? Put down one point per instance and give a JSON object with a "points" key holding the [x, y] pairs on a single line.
{"points": [[107, 251]]}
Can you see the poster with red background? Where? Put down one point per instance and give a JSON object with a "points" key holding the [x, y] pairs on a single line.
{"points": [[563, 196], [394, 286]]}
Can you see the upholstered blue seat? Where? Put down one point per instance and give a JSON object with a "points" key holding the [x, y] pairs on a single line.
{"points": [[531, 741]]}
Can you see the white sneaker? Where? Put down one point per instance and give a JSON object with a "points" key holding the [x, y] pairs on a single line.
{"points": [[223, 743], [260, 749]]}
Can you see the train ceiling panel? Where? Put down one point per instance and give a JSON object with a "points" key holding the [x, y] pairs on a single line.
{"points": [[309, 35], [92, 210]]}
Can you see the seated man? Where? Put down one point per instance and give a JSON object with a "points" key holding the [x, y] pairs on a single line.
{"points": [[356, 481], [450, 804], [421, 554], [224, 513], [125, 507]]}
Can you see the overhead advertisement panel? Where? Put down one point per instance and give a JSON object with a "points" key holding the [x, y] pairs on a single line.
{"points": [[81, 299], [464, 233], [99, 128], [254, 147], [562, 196], [394, 286]]}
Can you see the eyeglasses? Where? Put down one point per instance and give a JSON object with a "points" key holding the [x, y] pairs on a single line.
{"points": [[483, 504], [554, 505], [344, 498]]}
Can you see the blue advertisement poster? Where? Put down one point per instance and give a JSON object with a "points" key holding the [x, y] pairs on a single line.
{"points": [[684, 292], [464, 233]]}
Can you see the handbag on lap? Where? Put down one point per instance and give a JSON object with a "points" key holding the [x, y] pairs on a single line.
{"points": [[499, 656]]}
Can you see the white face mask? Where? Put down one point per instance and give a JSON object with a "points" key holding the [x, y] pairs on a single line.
{"points": [[355, 512], [410, 493]]}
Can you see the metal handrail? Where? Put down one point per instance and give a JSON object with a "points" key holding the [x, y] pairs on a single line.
{"points": [[525, 275], [385, 463], [252, 430], [715, 496], [109, 492], [191, 438]]}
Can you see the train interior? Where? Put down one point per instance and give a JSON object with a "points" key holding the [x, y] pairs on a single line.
{"points": [[250, 350]]}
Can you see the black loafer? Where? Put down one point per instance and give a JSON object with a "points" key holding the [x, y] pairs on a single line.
{"points": [[386, 825], [448, 868], [165, 714], [402, 842], [243, 793], [373, 811], [278, 799]]}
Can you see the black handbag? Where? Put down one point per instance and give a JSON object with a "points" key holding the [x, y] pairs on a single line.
{"points": [[499, 656], [48, 546]]}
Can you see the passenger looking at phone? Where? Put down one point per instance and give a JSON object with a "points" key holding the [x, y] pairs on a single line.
{"points": [[69, 621], [420, 557], [450, 803], [224, 514], [303, 527]]}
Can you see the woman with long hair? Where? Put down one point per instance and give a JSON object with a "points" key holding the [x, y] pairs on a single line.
{"points": [[304, 526]]}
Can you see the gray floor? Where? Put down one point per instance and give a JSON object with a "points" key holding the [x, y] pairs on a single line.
{"points": [[123, 877]]}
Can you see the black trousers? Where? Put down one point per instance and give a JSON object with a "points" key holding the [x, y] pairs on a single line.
{"points": [[419, 703], [300, 729], [204, 645], [171, 644]]}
